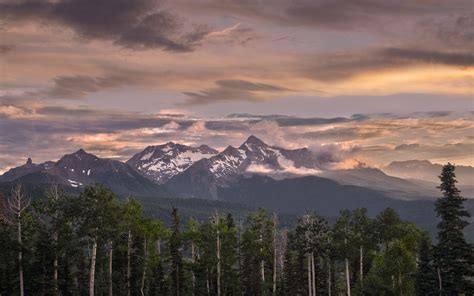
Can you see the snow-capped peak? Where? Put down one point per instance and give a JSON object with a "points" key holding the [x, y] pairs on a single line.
{"points": [[162, 162]]}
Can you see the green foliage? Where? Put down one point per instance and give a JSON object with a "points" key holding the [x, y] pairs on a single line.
{"points": [[454, 256]]}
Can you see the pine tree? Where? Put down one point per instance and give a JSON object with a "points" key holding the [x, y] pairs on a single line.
{"points": [[230, 278], [425, 283], [176, 260], [454, 256], [257, 253]]}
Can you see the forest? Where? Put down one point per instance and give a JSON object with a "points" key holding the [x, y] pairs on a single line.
{"points": [[96, 244]]}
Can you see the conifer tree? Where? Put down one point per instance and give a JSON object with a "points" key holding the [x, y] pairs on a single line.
{"points": [[425, 283], [176, 260], [454, 256]]}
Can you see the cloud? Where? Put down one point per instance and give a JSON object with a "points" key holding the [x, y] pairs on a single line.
{"points": [[235, 90], [429, 56], [78, 86], [6, 48], [340, 66], [45, 132], [453, 30], [235, 34], [134, 24], [334, 14]]}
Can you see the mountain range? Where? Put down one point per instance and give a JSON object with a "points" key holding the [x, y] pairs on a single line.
{"points": [[254, 174], [178, 170]]}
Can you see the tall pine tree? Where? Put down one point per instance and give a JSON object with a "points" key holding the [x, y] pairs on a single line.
{"points": [[454, 256], [176, 258], [425, 282]]}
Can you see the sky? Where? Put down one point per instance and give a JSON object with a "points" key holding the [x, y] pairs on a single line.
{"points": [[360, 81]]}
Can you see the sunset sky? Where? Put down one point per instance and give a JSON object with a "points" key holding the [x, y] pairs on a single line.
{"points": [[362, 80]]}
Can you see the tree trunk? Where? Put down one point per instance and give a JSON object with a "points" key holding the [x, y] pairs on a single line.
{"points": [[262, 263], [400, 282], [193, 260], [329, 278], [20, 257], [129, 250], [361, 264], [207, 282], [239, 254], [348, 281], [18, 202], [145, 255], [92, 272], [313, 274], [274, 253], [55, 264], [440, 283], [218, 257], [310, 285], [111, 292]]}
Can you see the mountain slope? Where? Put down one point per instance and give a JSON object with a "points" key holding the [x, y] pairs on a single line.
{"points": [[80, 168], [202, 179], [427, 171], [327, 197], [378, 180], [161, 163]]}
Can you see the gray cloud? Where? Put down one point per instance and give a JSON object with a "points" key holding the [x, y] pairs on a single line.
{"points": [[339, 14], [6, 48], [288, 121], [133, 24], [342, 134], [233, 90], [74, 87], [429, 56], [340, 66]]}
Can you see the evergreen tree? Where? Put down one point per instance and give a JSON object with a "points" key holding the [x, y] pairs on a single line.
{"points": [[176, 260], [454, 256], [425, 283], [257, 253], [230, 277]]}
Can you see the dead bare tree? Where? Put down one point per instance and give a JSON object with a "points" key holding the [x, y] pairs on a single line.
{"points": [[275, 222], [218, 254], [18, 202]]}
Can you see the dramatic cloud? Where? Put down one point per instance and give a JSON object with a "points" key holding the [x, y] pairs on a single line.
{"points": [[47, 132], [132, 24], [235, 89], [107, 76], [426, 56]]}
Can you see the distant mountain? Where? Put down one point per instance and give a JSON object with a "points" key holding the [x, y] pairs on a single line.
{"points": [[161, 163], [28, 168], [203, 178], [376, 179], [427, 171], [80, 168], [327, 197]]}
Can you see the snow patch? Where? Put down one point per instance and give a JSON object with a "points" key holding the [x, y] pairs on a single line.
{"points": [[74, 183], [147, 156]]}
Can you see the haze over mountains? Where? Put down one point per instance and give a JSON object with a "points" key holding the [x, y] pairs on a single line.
{"points": [[199, 172], [254, 174]]}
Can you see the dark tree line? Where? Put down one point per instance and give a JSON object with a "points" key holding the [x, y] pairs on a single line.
{"points": [[95, 245]]}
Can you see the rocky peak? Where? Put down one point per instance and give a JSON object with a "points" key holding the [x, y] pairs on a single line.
{"points": [[253, 141]]}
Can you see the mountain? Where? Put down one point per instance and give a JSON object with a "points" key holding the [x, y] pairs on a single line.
{"points": [[427, 171], [28, 168], [203, 178], [327, 197], [80, 168], [161, 163], [376, 179]]}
